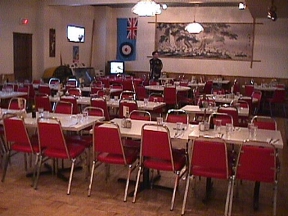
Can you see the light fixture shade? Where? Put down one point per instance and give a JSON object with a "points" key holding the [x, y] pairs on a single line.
{"points": [[194, 28], [146, 8]]}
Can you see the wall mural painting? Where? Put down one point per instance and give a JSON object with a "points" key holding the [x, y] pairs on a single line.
{"points": [[217, 41]]}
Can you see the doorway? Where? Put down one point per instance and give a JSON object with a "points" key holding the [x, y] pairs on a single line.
{"points": [[22, 48]]}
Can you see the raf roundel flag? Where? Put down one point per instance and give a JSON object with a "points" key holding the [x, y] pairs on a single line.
{"points": [[126, 38]]}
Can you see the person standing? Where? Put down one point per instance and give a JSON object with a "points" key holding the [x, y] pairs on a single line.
{"points": [[155, 66]]}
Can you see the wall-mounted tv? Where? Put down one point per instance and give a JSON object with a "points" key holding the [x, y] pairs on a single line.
{"points": [[75, 34], [116, 67]]}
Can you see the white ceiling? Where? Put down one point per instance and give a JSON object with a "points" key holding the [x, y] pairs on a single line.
{"points": [[258, 8]]}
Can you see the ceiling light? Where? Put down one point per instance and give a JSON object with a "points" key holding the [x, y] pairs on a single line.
{"points": [[148, 8], [242, 6], [272, 12], [194, 28]]}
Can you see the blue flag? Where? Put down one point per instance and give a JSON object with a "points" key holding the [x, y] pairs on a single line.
{"points": [[126, 38]]}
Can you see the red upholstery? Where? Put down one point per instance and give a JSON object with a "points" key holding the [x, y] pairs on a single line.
{"points": [[263, 122], [279, 97], [208, 87], [209, 158], [63, 107], [101, 103], [42, 101], [175, 116], [170, 96], [158, 154], [154, 97], [51, 136], [256, 106], [130, 104], [17, 139], [17, 103], [128, 95], [141, 92], [74, 92], [44, 89], [110, 149], [231, 110], [72, 100], [249, 90], [24, 89], [95, 89]]}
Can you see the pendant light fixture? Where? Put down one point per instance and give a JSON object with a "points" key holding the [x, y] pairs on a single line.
{"points": [[194, 27]]}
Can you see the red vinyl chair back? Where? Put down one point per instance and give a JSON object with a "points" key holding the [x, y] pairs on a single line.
{"points": [[111, 144], [128, 95], [96, 83], [170, 95], [31, 90], [249, 90], [156, 97], [42, 101], [156, 149], [72, 100], [54, 81], [44, 89], [16, 133], [264, 122], [74, 92], [126, 107], [95, 89], [55, 145], [94, 111], [210, 159], [278, 96], [231, 110], [17, 103], [256, 163], [141, 92], [24, 89], [257, 95], [101, 103], [63, 107], [224, 117], [71, 83], [127, 85], [140, 115], [175, 116], [208, 87]]}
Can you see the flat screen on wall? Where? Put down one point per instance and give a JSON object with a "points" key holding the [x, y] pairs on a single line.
{"points": [[75, 34], [116, 67]]}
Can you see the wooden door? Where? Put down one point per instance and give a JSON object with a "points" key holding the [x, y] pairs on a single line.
{"points": [[22, 46]]}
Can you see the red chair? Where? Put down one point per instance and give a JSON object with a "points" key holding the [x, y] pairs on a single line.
{"points": [[44, 89], [17, 103], [156, 97], [101, 103], [126, 107], [236, 87], [264, 122], [42, 101], [74, 92], [241, 104], [208, 87], [278, 98], [117, 86], [257, 162], [158, 154], [256, 101], [54, 145], [209, 158], [231, 110], [224, 117], [170, 96], [24, 89], [140, 115], [127, 85], [63, 107], [141, 92], [54, 81], [249, 90], [72, 100], [71, 83], [110, 150], [94, 111], [128, 95], [177, 115], [17, 140]]}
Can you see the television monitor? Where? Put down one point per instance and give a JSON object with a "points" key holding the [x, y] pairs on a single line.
{"points": [[75, 34], [116, 67]]}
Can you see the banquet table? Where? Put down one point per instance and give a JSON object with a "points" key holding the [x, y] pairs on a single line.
{"points": [[88, 89], [194, 109], [114, 103], [161, 88], [265, 87], [68, 122], [7, 95], [239, 135]]}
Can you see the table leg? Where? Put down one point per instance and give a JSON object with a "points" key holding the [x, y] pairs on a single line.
{"points": [[209, 186], [256, 196]]}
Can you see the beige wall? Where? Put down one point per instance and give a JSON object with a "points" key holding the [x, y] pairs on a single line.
{"points": [[270, 38]]}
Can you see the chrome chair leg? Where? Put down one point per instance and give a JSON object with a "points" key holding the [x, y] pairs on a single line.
{"points": [[91, 178], [71, 175]]}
